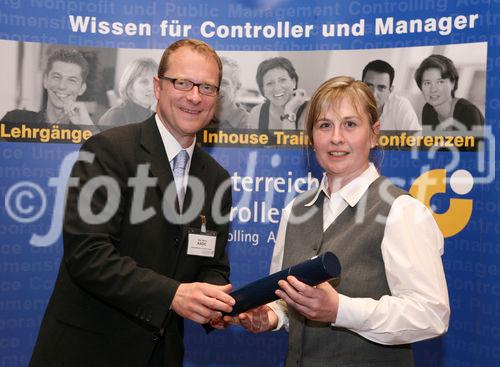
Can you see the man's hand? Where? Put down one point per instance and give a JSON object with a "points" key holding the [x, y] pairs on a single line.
{"points": [[202, 302], [320, 303], [77, 113], [257, 320]]}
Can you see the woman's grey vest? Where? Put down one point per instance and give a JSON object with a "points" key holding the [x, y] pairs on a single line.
{"points": [[355, 237]]}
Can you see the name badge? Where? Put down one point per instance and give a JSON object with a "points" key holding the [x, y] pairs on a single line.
{"points": [[201, 243]]}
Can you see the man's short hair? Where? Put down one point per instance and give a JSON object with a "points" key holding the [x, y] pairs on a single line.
{"points": [[195, 45], [70, 56], [379, 66]]}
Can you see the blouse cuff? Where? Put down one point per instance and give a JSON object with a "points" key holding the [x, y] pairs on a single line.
{"points": [[352, 312], [281, 311]]}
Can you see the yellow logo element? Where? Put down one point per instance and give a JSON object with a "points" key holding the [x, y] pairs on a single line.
{"points": [[460, 210]]}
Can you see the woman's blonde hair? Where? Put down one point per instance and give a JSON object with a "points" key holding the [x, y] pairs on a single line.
{"points": [[135, 69], [333, 91]]}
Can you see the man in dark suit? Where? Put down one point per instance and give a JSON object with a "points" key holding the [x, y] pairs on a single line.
{"points": [[131, 269]]}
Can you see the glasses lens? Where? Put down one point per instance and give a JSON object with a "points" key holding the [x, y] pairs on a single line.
{"points": [[183, 84], [208, 89]]}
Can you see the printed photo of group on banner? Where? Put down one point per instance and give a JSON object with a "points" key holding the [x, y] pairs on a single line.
{"points": [[249, 183], [425, 92]]}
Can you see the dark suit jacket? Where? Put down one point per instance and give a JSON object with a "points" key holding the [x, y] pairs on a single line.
{"points": [[110, 305], [25, 116]]}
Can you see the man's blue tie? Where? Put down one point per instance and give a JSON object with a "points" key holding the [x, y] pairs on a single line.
{"points": [[180, 162]]}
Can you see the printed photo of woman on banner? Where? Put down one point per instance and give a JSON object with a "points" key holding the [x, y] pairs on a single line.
{"points": [[437, 77], [136, 96]]}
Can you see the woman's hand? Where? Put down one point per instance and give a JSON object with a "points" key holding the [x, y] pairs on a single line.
{"points": [[318, 303], [298, 99], [257, 320]]}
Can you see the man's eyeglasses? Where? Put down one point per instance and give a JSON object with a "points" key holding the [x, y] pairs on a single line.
{"points": [[186, 85]]}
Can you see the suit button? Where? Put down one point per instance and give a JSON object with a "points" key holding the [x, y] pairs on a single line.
{"points": [[148, 317], [155, 337], [143, 315], [177, 240]]}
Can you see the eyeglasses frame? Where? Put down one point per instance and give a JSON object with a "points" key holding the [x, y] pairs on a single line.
{"points": [[174, 80]]}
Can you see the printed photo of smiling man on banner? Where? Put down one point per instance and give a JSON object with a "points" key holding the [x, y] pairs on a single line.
{"points": [[64, 80]]}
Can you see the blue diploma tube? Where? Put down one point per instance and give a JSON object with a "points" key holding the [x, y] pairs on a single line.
{"points": [[312, 272]]}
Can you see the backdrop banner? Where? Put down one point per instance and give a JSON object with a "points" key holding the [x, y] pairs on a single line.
{"points": [[449, 165]]}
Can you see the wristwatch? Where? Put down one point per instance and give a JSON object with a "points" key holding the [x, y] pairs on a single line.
{"points": [[291, 117]]}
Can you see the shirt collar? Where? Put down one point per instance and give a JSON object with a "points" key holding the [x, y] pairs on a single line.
{"points": [[172, 146], [353, 191]]}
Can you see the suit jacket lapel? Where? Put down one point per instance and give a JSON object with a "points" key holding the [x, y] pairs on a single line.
{"points": [[313, 231], [153, 152]]}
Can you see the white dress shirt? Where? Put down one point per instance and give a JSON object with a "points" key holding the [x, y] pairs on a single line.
{"points": [[398, 114], [172, 147], [418, 307]]}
